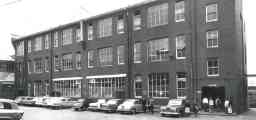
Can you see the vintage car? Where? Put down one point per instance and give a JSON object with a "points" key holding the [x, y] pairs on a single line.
{"points": [[111, 105], [82, 104], [175, 107], [61, 102], [41, 101], [131, 106], [97, 105], [29, 101], [19, 100], [9, 110]]}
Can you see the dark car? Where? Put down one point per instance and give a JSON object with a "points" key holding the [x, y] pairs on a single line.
{"points": [[111, 105], [82, 104], [9, 110], [176, 107]]}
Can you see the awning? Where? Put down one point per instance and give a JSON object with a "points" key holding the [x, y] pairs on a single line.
{"points": [[67, 78], [106, 76]]}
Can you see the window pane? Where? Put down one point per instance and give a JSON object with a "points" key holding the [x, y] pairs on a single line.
{"points": [[158, 15], [180, 47], [120, 54], [180, 11], [158, 50], [212, 13], [105, 27]]}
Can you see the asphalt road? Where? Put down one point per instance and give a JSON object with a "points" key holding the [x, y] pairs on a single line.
{"points": [[35, 113]]}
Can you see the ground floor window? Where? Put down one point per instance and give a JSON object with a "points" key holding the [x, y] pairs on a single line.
{"points": [[158, 85], [105, 87], [68, 88], [138, 86], [41, 88], [181, 84]]}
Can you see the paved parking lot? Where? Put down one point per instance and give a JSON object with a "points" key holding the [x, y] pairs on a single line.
{"points": [[35, 113]]}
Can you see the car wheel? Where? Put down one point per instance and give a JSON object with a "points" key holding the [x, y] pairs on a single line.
{"points": [[133, 111]]}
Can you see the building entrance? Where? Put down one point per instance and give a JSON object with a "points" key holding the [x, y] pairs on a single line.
{"points": [[214, 93]]}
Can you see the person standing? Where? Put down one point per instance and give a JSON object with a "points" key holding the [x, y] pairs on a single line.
{"points": [[230, 110], [195, 109], [226, 104], [211, 104], [205, 104]]}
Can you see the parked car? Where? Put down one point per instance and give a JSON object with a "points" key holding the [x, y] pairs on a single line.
{"points": [[61, 102], [29, 101], [68, 102], [96, 105], [176, 107], [131, 106], [82, 104], [19, 100], [111, 105], [41, 101], [9, 110]]}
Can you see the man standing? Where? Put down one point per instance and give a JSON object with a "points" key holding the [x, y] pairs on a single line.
{"points": [[211, 104], [205, 104]]}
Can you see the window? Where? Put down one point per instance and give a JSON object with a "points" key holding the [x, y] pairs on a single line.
{"points": [[137, 53], [67, 36], [78, 34], [38, 65], [212, 39], [55, 39], [68, 88], [90, 32], [137, 20], [20, 48], [57, 64], [78, 60], [158, 15], [158, 50], [211, 13], [47, 41], [180, 11], [90, 59], [38, 43], [213, 67], [120, 54], [120, 24], [29, 66], [29, 46], [158, 85], [105, 87], [138, 86], [47, 64], [105, 27], [67, 63], [181, 84], [181, 47], [105, 56]]}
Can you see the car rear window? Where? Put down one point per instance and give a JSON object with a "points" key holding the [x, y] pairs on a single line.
{"points": [[5, 105]]}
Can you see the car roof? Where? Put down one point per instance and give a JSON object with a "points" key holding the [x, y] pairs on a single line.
{"points": [[7, 100]]}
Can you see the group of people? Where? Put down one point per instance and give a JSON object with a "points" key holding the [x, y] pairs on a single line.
{"points": [[210, 104], [148, 105]]}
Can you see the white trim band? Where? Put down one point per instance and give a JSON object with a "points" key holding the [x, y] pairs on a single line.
{"points": [[68, 78], [106, 76]]}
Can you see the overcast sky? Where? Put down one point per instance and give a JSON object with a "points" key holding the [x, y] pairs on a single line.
{"points": [[23, 17]]}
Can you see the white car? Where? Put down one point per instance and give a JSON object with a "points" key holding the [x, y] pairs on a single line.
{"points": [[41, 101], [9, 110], [131, 106], [97, 105]]}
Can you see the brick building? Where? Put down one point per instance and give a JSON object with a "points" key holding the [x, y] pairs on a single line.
{"points": [[160, 49], [7, 89]]}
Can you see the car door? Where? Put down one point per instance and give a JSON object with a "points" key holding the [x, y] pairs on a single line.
{"points": [[7, 112], [138, 106]]}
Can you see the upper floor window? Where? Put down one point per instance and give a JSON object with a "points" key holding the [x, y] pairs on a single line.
{"points": [[29, 66], [137, 20], [158, 50], [212, 12], [78, 34], [56, 39], [158, 15], [90, 32], [47, 64], [90, 59], [120, 54], [105, 27], [57, 63], [137, 53], [20, 48], [181, 47], [78, 60], [47, 41], [29, 46], [38, 43], [181, 80], [180, 11], [213, 67], [212, 39], [120, 24], [106, 56], [67, 63], [38, 65], [67, 36]]}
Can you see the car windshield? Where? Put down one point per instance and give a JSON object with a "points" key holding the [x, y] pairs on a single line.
{"points": [[130, 101], [101, 100], [174, 102], [112, 102]]}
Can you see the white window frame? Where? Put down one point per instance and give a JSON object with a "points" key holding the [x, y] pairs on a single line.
{"points": [[90, 55], [121, 55], [106, 54], [177, 39], [78, 60], [137, 53], [155, 46], [90, 32], [56, 39], [38, 43], [47, 64], [166, 91], [67, 36], [67, 62], [218, 67], [120, 24], [158, 15], [177, 89], [206, 9], [137, 21], [208, 37], [29, 46], [105, 27], [137, 81], [78, 34], [179, 11]]}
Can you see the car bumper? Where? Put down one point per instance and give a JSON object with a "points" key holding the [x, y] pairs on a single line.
{"points": [[169, 113]]}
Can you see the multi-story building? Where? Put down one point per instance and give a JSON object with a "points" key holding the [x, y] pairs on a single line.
{"points": [[159, 49], [7, 89]]}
